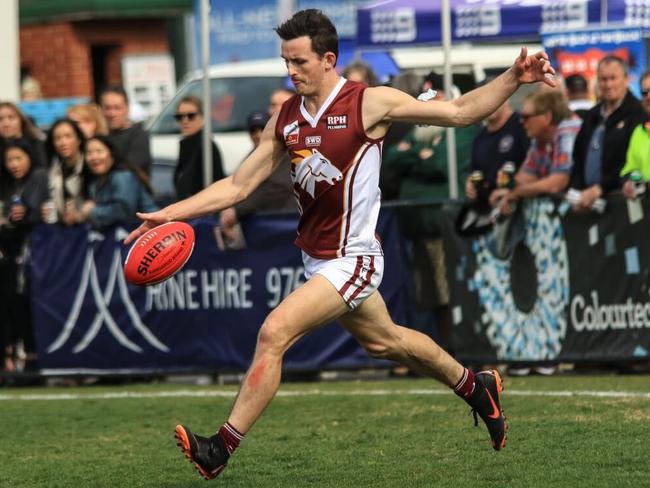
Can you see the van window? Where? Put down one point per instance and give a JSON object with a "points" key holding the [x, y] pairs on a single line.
{"points": [[233, 99]]}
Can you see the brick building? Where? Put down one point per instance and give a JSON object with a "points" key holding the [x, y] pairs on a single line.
{"points": [[74, 51]]}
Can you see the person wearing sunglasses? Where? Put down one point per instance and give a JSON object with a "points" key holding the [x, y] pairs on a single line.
{"points": [[188, 177], [552, 128], [601, 145], [636, 172]]}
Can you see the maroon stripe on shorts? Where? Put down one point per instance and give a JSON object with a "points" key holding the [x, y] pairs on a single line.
{"points": [[350, 200], [353, 278], [366, 280]]}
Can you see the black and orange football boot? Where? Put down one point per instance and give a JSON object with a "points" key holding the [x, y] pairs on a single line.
{"points": [[486, 403], [208, 454]]}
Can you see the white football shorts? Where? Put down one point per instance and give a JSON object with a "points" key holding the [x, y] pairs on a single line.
{"points": [[355, 277]]}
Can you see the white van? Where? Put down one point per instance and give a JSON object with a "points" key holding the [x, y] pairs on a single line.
{"points": [[237, 89]]}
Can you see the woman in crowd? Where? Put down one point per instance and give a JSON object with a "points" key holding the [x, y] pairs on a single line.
{"points": [[188, 177], [89, 118], [15, 125], [65, 146], [24, 189], [114, 192]]}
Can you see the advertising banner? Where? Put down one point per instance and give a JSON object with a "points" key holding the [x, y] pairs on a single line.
{"points": [[405, 22], [245, 30], [569, 287], [207, 316], [580, 52], [239, 30]]}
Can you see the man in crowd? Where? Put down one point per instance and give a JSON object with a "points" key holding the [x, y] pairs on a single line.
{"points": [[638, 153], [601, 145], [131, 140], [502, 139], [276, 193], [553, 128], [278, 97], [577, 92]]}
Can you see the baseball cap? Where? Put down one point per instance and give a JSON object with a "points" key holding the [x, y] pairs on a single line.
{"points": [[257, 119]]}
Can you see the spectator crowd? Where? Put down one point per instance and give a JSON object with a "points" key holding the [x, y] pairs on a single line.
{"points": [[94, 166]]}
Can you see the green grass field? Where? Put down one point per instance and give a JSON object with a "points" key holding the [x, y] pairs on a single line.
{"points": [[569, 431]]}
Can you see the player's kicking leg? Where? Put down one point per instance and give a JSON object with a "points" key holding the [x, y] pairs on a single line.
{"points": [[313, 304], [372, 326]]}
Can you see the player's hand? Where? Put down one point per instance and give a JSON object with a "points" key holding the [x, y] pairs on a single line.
{"points": [[534, 67], [151, 220]]}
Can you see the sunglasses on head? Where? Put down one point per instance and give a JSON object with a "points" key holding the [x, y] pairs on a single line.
{"points": [[189, 116]]}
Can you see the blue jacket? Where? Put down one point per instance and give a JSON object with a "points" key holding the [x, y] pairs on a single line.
{"points": [[118, 199]]}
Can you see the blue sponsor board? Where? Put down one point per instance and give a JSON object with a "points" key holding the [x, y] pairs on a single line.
{"points": [[205, 317], [245, 30], [239, 30], [404, 22]]}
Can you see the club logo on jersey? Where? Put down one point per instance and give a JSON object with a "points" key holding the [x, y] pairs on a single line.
{"points": [[311, 141], [337, 122], [311, 167], [291, 133]]}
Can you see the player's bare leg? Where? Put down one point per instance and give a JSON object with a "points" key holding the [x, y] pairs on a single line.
{"points": [[307, 308], [372, 326], [313, 304]]}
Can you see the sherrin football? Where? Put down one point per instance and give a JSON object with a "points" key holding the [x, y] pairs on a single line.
{"points": [[159, 253]]}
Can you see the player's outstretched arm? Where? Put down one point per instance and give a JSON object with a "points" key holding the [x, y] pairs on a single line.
{"points": [[384, 104], [224, 193]]}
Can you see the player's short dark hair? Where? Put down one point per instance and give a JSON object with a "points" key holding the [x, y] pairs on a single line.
{"points": [[576, 84], [117, 89], [314, 24]]}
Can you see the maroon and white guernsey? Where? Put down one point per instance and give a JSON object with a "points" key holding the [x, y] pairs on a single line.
{"points": [[335, 171]]}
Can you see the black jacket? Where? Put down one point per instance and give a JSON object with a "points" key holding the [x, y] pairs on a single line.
{"points": [[188, 177], [618, 130]]}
